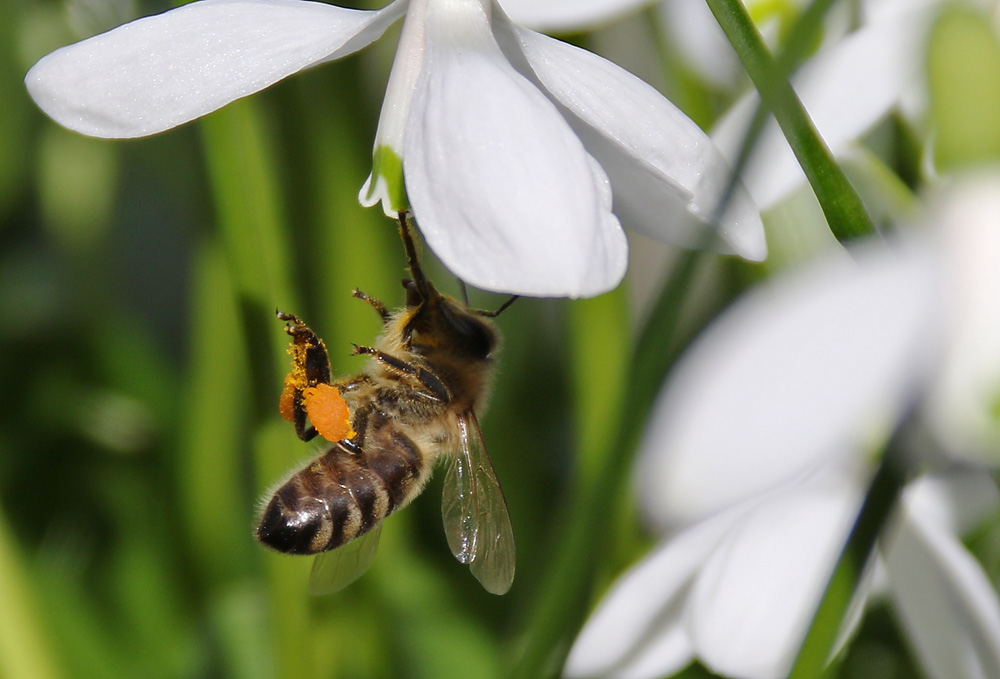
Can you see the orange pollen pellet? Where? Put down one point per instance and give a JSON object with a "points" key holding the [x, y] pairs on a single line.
{"points": [[328, 412], [286, 404]]}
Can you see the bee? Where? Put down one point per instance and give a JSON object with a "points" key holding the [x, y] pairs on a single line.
{"points": [[429, 374]]}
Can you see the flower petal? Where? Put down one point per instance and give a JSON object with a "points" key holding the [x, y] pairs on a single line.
{"points": [[385, 183], [503, 191], [964, 400], [794, 373], [845, 89], [945, 601], [663, 167], [700, 43], [567, 15], [158, 72], [637, 629], [752, 602]]}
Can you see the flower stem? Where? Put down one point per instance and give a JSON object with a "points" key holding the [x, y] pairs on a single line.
{"points": [[841, 204], [882, 496], [602, 474]]}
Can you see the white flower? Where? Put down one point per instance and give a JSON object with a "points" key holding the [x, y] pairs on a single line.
{"points": [[512, 144], [738, 590], [944, 600], [760, 448]]}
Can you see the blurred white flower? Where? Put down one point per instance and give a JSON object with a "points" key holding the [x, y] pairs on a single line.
{"points": [[760, 449], [846, 88], [701, 45], [870, 62], [945, 601], [738, 590], [511, 143]]}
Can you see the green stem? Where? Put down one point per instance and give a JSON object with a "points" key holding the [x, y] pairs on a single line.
{"points": [[601, 477], [841, 204], [882, 496]]}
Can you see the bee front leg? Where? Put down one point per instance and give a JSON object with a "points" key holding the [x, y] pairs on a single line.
{"points": [[374, 303], [435, 389]]}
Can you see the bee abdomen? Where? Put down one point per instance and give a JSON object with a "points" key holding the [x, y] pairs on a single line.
{"points": [[339, 496], [398, 462]]}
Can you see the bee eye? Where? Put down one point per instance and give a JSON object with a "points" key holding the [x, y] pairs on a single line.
{"points": [[474, 337], [413, 296]]}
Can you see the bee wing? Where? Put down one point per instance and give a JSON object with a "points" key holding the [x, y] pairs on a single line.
{"points": [[334, 570], [475, 512]]}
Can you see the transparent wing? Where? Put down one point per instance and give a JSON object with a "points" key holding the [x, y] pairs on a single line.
{"points": [[334, 570], [475, 512]]}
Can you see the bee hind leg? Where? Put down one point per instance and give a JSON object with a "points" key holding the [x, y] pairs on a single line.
{"points": [[310, 367]]}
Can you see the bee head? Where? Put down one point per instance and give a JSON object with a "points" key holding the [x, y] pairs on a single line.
{"points": [[435, 322], [440, 323]]}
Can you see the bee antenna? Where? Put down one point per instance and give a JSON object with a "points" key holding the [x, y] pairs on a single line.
{"points": [[411, 254], [503, 307], [465, 291]]}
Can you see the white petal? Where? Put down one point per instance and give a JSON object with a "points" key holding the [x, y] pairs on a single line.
{"points": [[846, 90], [754, 599], [662, 166], [699, 41], [963, 402], [385, 184], [798, 370], [502, 189], [158, 72], [637, 629], [957, 502], [946, 602], [889, 10], [567, 15]]}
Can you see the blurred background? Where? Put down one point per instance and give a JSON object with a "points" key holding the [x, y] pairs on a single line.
{"points": [[140, 367]]}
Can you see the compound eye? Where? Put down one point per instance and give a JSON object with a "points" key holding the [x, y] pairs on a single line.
{"points": [[413, 296], [473, 337]]}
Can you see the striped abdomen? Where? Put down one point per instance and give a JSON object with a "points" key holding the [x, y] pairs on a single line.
{"points": [[343, 494]]}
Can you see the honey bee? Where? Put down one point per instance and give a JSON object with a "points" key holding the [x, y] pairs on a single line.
{"points": [[428, 375]]}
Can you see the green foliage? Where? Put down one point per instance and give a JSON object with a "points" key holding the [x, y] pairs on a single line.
{"points": [[964, 77]]}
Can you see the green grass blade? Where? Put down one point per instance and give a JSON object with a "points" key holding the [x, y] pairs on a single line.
{"points": [[26, 648], [211, 450]]}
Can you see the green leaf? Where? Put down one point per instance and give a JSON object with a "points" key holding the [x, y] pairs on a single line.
{"points": [[26, 649], [211, 452], [964, 72], [243, 167]]}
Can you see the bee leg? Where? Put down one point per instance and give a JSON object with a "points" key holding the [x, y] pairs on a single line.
{"points": [[494, 314], [310, 360], [302, 430], [435, 389], [310, 366], [374, 303]]}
